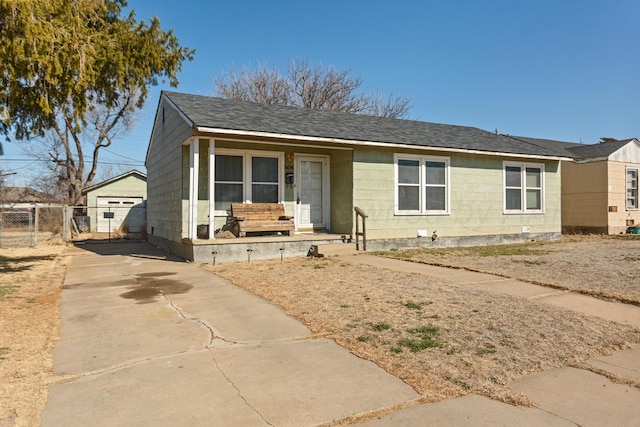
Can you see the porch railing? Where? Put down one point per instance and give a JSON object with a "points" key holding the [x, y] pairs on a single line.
{"points": [[360, 214]]}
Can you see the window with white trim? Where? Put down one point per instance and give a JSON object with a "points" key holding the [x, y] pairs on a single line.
{"points": [[246, 177], [421, 185], [632, 188], [523, 188], [229, 181]]}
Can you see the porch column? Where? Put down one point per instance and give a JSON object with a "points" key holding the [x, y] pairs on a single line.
{"points": [[212, 192], [194, 162]]}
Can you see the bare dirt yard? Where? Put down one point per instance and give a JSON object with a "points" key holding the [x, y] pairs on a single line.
{"points": [[29, 319], [446, 339]]}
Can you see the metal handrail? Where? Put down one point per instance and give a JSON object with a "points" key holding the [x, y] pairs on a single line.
{"points": [[360, 213]]}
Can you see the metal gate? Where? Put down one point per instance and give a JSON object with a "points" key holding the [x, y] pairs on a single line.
{"points": [[16, 229]]}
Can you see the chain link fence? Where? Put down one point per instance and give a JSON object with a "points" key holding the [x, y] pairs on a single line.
{"points": [[31, 226]]}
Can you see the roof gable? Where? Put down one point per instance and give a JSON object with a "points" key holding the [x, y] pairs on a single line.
{"points": [[601, 150], [210, 114], [134, 173], [628, 153], [627, 150]]}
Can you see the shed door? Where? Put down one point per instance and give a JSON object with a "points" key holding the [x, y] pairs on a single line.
{"points": [[120, 214]]}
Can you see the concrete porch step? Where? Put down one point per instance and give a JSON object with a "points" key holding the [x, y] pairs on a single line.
{"points": [[331, 249]]}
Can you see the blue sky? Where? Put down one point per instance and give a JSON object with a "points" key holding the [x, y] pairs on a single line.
{"points": [[565, 70]]}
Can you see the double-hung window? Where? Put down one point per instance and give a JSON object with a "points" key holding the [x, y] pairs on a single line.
{"points": [[632, 188], [229, 181], [422, 185], [247, 177], [264, 180], [523, 188]]}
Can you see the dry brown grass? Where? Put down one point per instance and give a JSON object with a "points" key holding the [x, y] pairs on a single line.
{"points": [[603, 266], [482, 341], [30, 319]]}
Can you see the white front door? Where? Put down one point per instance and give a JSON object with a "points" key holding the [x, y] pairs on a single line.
{"points": [[312, 204]]}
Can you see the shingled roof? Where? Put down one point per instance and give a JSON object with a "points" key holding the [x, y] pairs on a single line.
{"points": [[578, 151], [604, 149], [210, 114], [24, 195]]}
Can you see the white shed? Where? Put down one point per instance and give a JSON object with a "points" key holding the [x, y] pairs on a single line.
{"points": [[118, 204]]}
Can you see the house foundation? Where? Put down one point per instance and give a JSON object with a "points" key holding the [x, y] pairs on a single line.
{"points": [[274, 247]]}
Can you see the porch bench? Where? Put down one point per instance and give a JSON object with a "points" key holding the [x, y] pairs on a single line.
{"points": [[260, 217]]}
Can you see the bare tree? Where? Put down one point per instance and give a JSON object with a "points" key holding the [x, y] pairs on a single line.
{"points": [[264, 85], [108, 171], [391, 106], [71, 156], [310, 86], [325, 88]]}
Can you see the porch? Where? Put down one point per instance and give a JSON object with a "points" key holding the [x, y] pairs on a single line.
{"points": [[264, 247], [313, 184]]}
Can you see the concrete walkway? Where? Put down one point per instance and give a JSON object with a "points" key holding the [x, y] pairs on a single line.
{"points": [[150, 340]]}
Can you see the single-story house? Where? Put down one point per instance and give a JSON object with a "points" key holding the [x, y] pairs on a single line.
{"points": [[599, 186], [413, 180], [25, 197], [118, 204]]}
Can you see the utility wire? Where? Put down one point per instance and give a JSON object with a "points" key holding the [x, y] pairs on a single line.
{"points": [[120, 155], [135, 162]]}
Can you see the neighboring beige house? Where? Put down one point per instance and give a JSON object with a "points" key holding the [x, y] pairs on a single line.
{"points": [[599, 186], [118, 204], [410, 178]]}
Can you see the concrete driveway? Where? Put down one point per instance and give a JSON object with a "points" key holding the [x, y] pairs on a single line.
{"points": [[149, 340]]}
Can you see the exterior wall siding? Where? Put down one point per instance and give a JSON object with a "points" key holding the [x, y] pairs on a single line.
{"points": [[584, 197], [342, 215], [621, 217], [476, 198], [164, 175]]}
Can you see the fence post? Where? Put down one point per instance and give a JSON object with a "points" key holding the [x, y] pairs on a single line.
{"points": [[65, 224], [36, 213]]}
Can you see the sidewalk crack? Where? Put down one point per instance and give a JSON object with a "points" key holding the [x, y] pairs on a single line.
{"points": [[238, 392], [212, 333]]}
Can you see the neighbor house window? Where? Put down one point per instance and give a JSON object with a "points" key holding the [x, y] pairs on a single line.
{"points": [[246, 177], [632, 188], [523, 188], [421, 185]]}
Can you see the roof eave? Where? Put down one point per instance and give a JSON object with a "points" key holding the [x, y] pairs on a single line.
{"points": [[259, 134]]}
